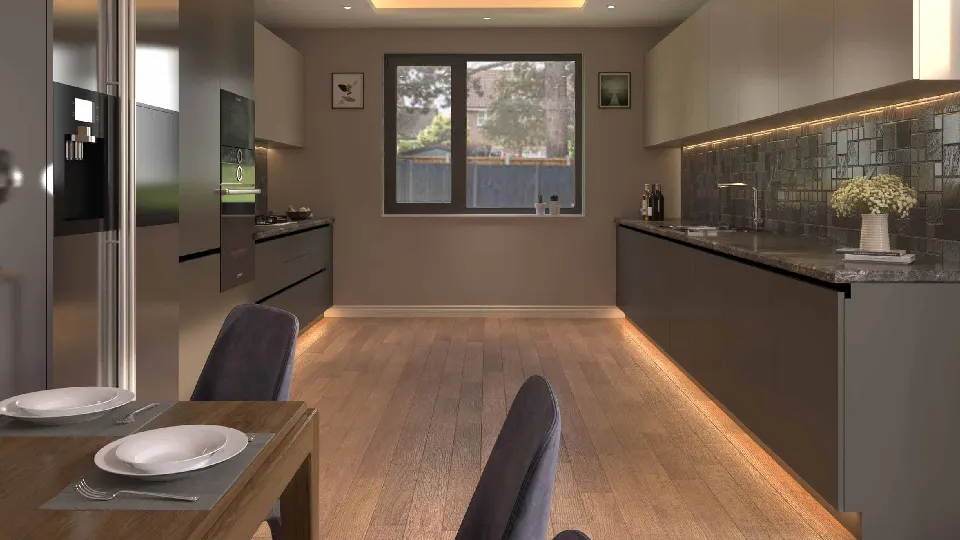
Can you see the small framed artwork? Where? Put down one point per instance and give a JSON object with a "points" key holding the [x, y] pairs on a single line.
{"points": [[347, 90], [615, 90]]}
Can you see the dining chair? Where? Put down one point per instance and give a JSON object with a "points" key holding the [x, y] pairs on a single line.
{"points": [[512, 499], [571, 535], [252, 360]]}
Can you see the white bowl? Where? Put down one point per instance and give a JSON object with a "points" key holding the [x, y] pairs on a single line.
{"points": [[171, 449], [106, 458], [66, 401]]}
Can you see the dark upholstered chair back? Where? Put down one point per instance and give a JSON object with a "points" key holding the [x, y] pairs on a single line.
{"points": [[512, 500], [571, 535], [252, 359]]}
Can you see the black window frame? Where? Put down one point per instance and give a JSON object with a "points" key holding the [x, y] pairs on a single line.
{"points": [[458, 110]]}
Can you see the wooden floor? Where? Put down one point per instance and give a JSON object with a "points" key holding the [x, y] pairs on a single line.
{"points": [[410, 409]]}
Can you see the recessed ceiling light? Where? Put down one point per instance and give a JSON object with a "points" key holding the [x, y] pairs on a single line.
{"points": [[487, 18], [611, 6], [348, 7]]}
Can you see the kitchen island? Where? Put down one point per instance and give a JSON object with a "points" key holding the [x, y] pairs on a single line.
{"points": [[848, 373]]}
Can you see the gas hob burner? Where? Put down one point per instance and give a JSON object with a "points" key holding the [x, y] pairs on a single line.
{"points": [[272, 219]]}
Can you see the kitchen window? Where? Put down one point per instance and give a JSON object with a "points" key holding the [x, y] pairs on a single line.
{"points": [[482, 134]]}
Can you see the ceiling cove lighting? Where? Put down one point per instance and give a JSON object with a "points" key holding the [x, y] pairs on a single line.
{"points": [[867, 112], [478, 4]]}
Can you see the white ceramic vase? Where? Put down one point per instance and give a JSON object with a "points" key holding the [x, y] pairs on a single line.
{"points": [[554, 208], [541, 208], [875, 232]]}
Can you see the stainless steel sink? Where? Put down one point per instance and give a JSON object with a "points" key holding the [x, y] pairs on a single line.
{"points": [[709, 228]]}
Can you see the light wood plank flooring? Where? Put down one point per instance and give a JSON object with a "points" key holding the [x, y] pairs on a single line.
{"points": [[410, 409]]}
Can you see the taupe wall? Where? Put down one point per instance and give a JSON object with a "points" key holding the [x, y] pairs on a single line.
{"points": [[467, 261]]}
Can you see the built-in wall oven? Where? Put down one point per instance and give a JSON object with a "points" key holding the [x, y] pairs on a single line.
{"points": [[238, 191]]}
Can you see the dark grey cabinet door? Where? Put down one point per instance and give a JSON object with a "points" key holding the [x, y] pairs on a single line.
{"points": [[305, 300], [653, 289], [806, 381], [686, 300], [766, 345], [630, 273]]}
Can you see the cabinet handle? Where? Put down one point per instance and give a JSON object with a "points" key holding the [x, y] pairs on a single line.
{"points": [[240, 191]]}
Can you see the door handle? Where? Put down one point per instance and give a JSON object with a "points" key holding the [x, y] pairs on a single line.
{"points": [[226, 191], [10, 175]]}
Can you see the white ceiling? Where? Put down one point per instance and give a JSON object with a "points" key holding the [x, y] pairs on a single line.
{"points": [[330, 14]]}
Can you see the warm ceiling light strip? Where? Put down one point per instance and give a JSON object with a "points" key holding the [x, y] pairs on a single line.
{"points": [[478, 4], [866, 112]]}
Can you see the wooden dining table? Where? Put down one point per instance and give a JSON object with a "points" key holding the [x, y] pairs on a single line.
{"points": [[35, 469]]}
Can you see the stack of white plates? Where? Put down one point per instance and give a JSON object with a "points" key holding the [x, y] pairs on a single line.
{"points": [[65, 405], [165, 453]]}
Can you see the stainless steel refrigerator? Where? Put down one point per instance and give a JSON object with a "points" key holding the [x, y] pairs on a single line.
{"points": [[90, 172]]}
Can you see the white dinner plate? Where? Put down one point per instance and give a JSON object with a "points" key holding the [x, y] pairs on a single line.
{"points": [[107, 460], [8, 407], [66, 401], [172, 449]]}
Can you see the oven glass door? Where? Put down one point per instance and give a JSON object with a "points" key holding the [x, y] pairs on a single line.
{"points": [[236, 120]]}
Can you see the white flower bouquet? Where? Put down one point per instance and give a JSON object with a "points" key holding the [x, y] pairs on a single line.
{"points": [[883, 194]]}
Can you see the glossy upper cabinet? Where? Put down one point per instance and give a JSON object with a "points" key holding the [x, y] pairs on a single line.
{"points": [[234, 42], [877, 51], [806, 53], [279, 85], [723, 66], [758, 58], [678, 79]]}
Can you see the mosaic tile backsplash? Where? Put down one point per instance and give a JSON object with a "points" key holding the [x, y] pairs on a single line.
{"points": [[796, 169]]}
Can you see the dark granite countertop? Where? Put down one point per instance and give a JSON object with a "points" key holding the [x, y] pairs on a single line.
{"points": [[266, 232], [805, 255]]}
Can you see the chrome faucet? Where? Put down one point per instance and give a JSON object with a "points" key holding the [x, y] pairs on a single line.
{"points": [[756, 207]]}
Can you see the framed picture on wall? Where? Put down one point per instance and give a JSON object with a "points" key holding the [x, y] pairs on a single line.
{"points": [[615, 90], [347, 90]]}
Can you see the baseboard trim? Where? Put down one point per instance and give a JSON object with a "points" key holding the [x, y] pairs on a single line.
{"points": [[512, 312]]}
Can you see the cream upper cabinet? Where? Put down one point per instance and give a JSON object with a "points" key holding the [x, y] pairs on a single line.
{"points": [[694, 87], [677, 79], [736, 61], [758, 58], [724, 63], [937, 33], [806, 52], [877, 50], [655, 123], [279, 88]]}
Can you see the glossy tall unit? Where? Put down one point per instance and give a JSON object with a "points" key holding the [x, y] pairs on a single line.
{"points": [[216, 57]]}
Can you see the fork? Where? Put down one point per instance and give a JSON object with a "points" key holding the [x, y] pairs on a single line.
{"points": [[83, 488], [128, 419]]}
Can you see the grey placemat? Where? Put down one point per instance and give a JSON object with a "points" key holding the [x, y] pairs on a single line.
{"points": [[104, 426], [208, 484]]}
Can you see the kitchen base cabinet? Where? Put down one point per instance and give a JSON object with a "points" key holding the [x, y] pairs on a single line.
{"points": [[294, 273], [854, 386], [765, 345], [307, 299]]}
